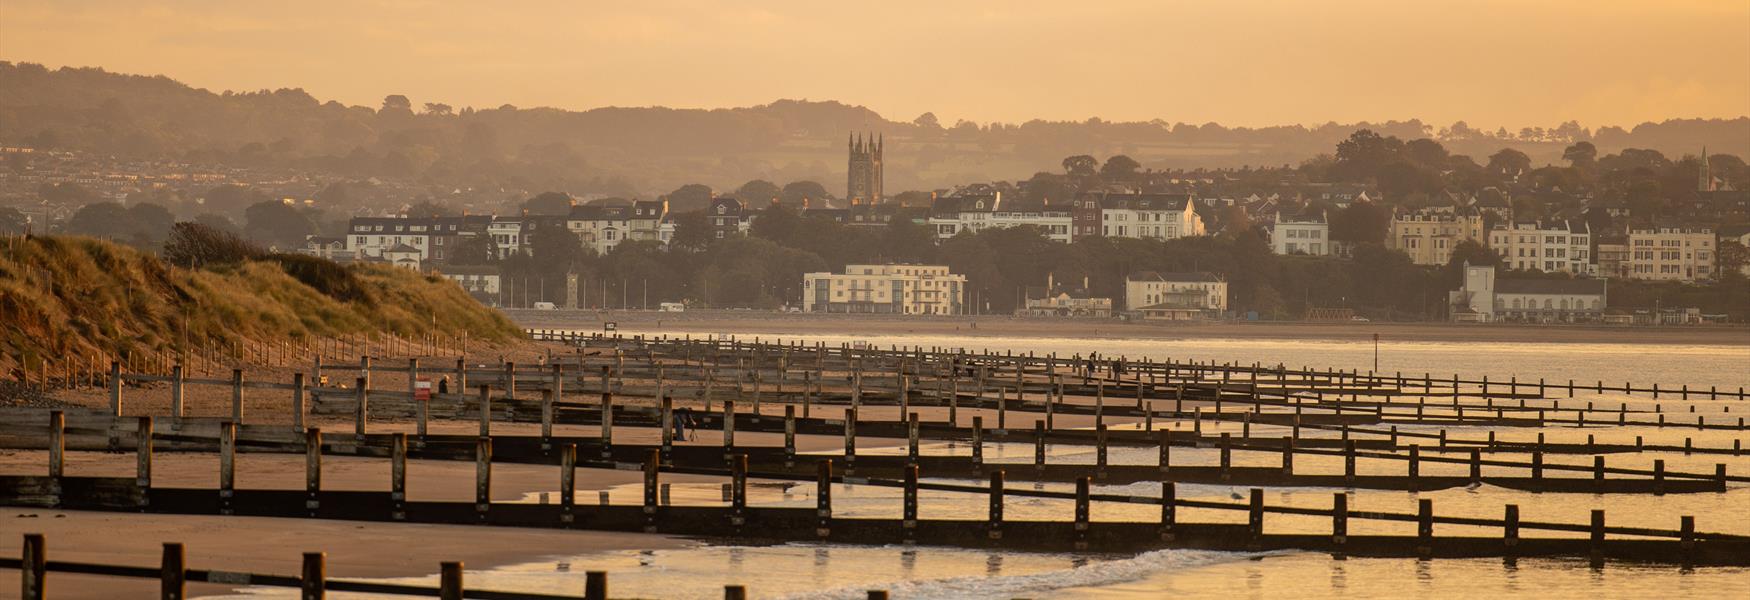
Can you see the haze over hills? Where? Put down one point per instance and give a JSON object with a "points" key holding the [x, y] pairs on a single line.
{"points": [[650, 150]]}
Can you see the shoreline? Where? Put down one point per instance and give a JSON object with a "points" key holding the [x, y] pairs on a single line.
{"points": [[774, 323]]}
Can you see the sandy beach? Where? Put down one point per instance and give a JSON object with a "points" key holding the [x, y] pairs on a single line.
{"points": [[768, 322]]}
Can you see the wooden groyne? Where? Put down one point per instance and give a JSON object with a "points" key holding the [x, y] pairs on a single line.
{"points": [[900, 398]]}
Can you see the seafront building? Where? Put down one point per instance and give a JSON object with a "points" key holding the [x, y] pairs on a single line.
{"points": [[1175, 296], [949, 216], [1483, 298], [1668, 253], [1140, 216], [1557, 246], [886, 289], [1301, 234], [1429, 235]]}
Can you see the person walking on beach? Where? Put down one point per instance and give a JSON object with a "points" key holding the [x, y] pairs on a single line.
{"points": [[682, 417], [444, 385]]}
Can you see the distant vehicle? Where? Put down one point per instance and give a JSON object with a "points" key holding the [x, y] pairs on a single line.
{"points": [[1360, 319], [671, 307], [545, 306]]}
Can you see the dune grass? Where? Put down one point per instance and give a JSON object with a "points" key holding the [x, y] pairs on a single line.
{"points": [[77, 296]]}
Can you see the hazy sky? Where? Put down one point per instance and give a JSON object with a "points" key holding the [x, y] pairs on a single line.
{"points": [[1237, 62]]}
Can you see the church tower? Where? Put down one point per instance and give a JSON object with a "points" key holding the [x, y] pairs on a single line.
{"points": [[1706, 182], [863, 184]]}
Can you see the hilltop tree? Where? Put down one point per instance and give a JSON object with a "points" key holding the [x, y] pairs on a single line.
{"points": [[1361, 223], [691, 231], [1120, 168], [1509, 163], [692, 196], [1080, 166], [217, 222], [758, 192], [548, 203], [277, 224], [1581, 155], [796, 192]]}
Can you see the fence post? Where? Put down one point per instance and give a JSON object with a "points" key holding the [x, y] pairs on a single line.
{"points": [[1339, 519], [361, 411], [1425, 528], [1255, 519], [57, 447], [595, 585], [298, 408], [567, 481], [313, 585], [176, 390], [652, 464], [995, 523], [823, 498], [398, 476], [312, 469], [789, 435], [486, 411], [850, 441], [143, 460], [227, 465], [547, 420], [33, 568], [115, 388], [909, 519], [172, 573], [237, 395], [1287, 456], [1169, 510], [977, 444], [482, 476], [1082, 513], [1510, 528], [450, 581]]}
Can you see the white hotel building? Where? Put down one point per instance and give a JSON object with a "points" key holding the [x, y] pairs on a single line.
{"points": [[886, 289]]}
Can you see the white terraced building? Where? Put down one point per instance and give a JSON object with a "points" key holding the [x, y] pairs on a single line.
{"points": [[886, 289]]}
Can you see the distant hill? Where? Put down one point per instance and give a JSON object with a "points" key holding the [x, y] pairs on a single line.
{"points": [[82, 297], [644, 151]]}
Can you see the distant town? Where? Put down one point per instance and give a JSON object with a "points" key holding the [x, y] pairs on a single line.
{"points": [[1630, 238]]}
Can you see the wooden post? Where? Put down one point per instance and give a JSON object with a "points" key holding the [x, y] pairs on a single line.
{"points": [[1425, 528], [312, 585], [1169, 510], [1415, 467], [1349, 461], [227, 465], [1597, 537], [1100, 451], [237, 395], [909, 518], [1164, 440], [34, 568], [850, 440], [595, 585], [312, 469], [1255, 518], [789, 435], [1510, 528], [509, 380], [1476, 465], [567, 481], [823, 498], [1082, 513], [115, 388], [57, 446], [652, 466], [482, 476], [1339, 519], [143, 459], [667, 426], [361, 411], [173, 573], [734, 592], [298, 408], [450, 581], [977, 444], [728, 429], [176, 391], [1039, 445], [995, 524], [607, 425], [738, 492], [398, 476], [485, 411]]}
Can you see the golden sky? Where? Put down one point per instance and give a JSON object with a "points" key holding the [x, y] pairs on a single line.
{"points": [[1237, 62]]}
